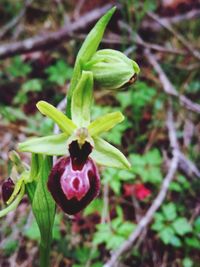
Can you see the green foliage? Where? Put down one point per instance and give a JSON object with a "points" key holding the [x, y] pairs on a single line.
{"points": [[95, 206], [114, 232], [9, 247], [193, 240], [187, 262], [138, 96], [169, 226], [115, 178], [85, 253], [34, 124], [115, 135], [11, 114], [33, 85], [59, 73], [10, 7], [18, 68], [32, 232], [180, 184], [147, 166]]}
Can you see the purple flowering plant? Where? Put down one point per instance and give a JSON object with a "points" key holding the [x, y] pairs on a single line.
{"points": [[73, 181]]}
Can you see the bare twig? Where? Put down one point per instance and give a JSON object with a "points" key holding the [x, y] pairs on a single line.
{"points": [[11, 24], [139, 41], [193, 14], [181, 39], [105, 211], [168, 86], [187, 166], [40, 42], [158, 200]]}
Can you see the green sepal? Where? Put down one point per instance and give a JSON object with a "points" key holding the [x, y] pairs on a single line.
{"points": [[87, 50], [15, 203], [105, 123], [17, 188], [43, 207], [48, 145], [64, 123], [107, 155], [82, 100]]}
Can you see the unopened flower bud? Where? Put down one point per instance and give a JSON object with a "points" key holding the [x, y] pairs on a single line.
{"points": [[112, 69], [74, 181], [7, 189]]}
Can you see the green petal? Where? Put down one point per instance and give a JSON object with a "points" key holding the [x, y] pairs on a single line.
{"points": [[64, 123], [107, 155], [48, 145], [82, 100], [105, 123]]}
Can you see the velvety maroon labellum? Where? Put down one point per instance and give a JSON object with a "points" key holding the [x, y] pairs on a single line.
{"points": [[7, 189], [74, 181]]}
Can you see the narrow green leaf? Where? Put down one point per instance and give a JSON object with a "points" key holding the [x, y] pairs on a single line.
{"points": [[64, 123], [48, 145], [82, 100], [44, 210], [35, 166], [94, 37], [107, 155], [105, 123], [87, 50]]}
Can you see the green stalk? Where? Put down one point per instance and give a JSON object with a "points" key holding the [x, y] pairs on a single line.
{"points": [[44, 209], [45, 248]]}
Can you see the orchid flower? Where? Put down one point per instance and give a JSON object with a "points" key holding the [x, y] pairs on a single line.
{"points": [[81, 145]]}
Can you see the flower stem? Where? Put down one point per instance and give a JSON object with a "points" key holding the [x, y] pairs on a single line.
{"points": [[45, 254]]}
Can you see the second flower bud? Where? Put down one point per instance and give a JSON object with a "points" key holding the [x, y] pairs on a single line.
{"points": [[112, 69]]}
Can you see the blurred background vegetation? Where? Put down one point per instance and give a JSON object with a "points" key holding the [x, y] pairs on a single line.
{"points": [[42, 67]]}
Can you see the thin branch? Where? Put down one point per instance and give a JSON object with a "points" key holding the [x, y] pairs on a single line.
{"points": [[181, 39], [105, 211], [139, 41], [193, 14], [187, 166], [144, 222], [168, 86], [40, 42], [11, 24]]}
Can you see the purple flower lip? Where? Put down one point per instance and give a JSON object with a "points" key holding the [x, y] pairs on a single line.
{"points": [[74, 181], [7, 189]]}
